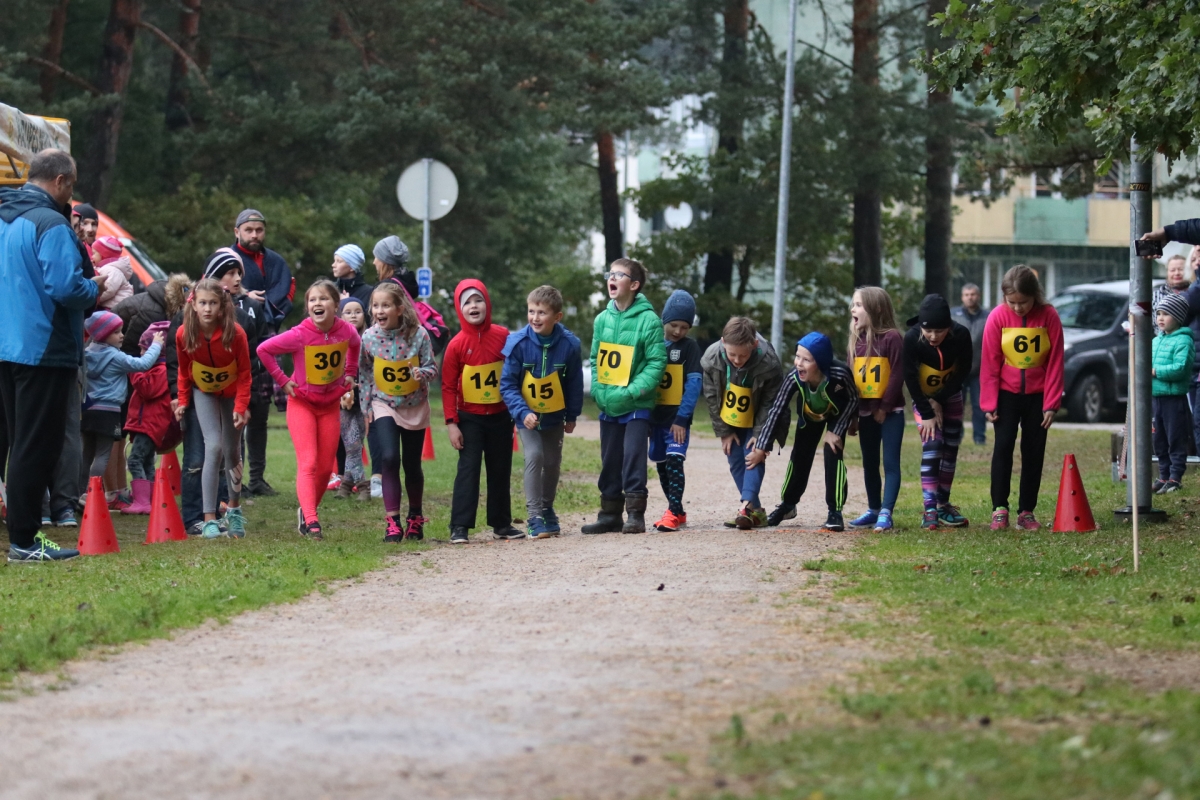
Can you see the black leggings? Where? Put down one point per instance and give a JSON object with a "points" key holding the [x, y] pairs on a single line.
{"points": [[396, 446], [1013, 410]]}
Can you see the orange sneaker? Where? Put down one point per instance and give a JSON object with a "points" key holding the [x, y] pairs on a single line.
{"points": [[671, 522]]}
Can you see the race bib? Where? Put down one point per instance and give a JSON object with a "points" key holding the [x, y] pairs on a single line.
{"points": [[737, 408], [397, 378], [1024, 348], [871, 374], [481, 385], [543, 395], [613, 362], [213, 380], [932, 379], [670, 388], [325, 363]]}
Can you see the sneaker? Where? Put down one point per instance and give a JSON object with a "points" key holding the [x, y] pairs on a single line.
{"points": [[335, 481], [883, 521], [538, 529], [732, 523], [833, 522], [315, 532], [1157, 486], [999, 519], [235, 522], [550, 518], [416, 528], [751, 518], [196, 529], [1027, 522], [929, 520], [377, 486], [261, 488], [671, 522], [393, 533], [43, 550], [458, 535], [211, 530], [509, 532], [47, 522], [301, 525], [869, 518], [65, 519], [1171, 486], [951, 517], [782, 511]]}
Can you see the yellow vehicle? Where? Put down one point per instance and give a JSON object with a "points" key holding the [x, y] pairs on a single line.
{"points": [[22, 135]]}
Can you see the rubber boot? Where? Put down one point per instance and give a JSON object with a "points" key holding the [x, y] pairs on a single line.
{"points": [[609, 519], [142, 490], [635, 514]]}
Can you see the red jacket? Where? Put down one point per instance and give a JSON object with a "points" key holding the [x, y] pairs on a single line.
{"points": [[473, 346], [150, 404], [996, 370], [213, 354]]}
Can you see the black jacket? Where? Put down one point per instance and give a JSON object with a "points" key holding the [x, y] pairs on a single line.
{"points": [[358, 288], [274, 280], [955, 353], [843, 398], [141, 311]]}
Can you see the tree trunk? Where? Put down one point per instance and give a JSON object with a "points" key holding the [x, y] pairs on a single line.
{"points": [[610, 197], [866, 137], [116, 63], [939, 172], [178, 95], [53, 50]]}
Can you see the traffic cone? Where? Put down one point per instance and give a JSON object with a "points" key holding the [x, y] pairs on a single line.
{"points": [[96, 534], [427, 452], [170, 465], [516, 440], [1073, 513], [166, 523]]}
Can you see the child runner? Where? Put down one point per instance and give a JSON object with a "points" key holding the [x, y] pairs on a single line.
{"points": [[479, 425], [542, 385], [397, 367], [150, 421], [825, 409], [1173, 352], [742, 377], [628, 359], [937, 362], [876, 354], [214, 359], [1020, 384], [671, 420], [353, 425], [324, 352]]}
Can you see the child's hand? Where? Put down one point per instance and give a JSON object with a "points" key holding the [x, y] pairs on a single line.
{"points": [[991, 416], [727, 443], [240, 420], [1047, 419], [569, 427], [834, 441], [348, 381], [879, 416], [530, 422], [178, 410], [290, 388], [679, 433], [456, 437], [158, 339], [928, 429], [756, 457]]}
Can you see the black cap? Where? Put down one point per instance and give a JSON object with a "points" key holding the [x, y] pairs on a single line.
{"points": [[934, 313], [85, 211]]}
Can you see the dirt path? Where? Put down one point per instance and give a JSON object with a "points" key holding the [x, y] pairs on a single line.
{"points": [[514, 669]]}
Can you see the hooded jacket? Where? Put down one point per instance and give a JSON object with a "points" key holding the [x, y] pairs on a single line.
{"points": [[145, 308], [358, 288], [294, 341], [954, 354], [46, 290], [473, 346], [996, 375], [639, 327], [523, 352], [244, 320], [267, 272], [107, 366], [763, 374], [150, 406], [212, 353], [1171, 355], [117, 287], [841, 412]]}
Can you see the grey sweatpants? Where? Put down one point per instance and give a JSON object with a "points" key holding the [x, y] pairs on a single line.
{"points": [[215, 415], [543, 460]]}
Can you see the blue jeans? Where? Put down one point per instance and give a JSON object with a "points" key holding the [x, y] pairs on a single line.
{"points": [[872, 435], [191, 483], [978, 420], [1194, 403], [748, 481]]}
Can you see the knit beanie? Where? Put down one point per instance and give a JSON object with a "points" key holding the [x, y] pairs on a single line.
{"points": [[821, 348], [1176, 305], [221, 262], [101, 324], [934, 313], [347, 301], [680, 307], [353, 255], [467, 295], [108, 247], [162, 326], [392, 251]]}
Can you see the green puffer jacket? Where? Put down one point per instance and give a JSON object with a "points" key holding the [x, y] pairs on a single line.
{"points": [[1171, 355], [638, 326]]}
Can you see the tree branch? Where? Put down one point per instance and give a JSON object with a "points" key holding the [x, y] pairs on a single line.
{"points": [[476, 4], [69, 77], [179, 51], [822, 51]]}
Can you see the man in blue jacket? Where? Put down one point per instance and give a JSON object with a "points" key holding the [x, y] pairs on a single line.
{"points": [[42, 301]]}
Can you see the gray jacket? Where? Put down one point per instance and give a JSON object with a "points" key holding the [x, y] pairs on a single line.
{"points": [[975, 325]]}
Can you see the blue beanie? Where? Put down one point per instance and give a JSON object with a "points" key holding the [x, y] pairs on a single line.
{"points": [[680, 307], [353, 255], [822, 350], [347, 301]]}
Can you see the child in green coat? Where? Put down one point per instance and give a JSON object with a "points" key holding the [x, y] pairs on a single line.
{"points": [[1172, 354]]}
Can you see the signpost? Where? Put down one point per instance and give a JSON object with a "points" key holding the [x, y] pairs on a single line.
{"points": [[427, 190]]}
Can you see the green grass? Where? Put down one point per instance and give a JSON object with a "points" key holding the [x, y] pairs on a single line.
{"points": [[49, 613], [989, 698]]}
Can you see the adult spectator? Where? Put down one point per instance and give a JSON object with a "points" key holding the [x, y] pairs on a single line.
{"points": [[265, 275], [391, 263], [89, 224], [41, 343], [161, 301], [347, 269], [1177, 280], [973, 316]]}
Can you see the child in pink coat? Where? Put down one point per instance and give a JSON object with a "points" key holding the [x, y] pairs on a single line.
{"points": [[107, 255]]}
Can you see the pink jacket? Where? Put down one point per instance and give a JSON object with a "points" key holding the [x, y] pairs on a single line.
{"points": [[319, 363], [996, 371], [118, 271]]}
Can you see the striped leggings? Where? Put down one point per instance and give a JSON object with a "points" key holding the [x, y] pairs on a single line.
{"points": [[939, 456]]}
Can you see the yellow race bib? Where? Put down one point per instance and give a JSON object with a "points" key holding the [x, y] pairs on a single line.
{"points": [[737, 408], [932, 379], [213, 380], [613, 362], [543, 395], [670, 388], [397, 378], [325, 363], [872, 373], [1024, 348], [481, 385]]}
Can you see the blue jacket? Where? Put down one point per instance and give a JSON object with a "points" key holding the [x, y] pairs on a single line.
{"points": [[43, 290], [107, 367], [274, 280], [524, 351]]}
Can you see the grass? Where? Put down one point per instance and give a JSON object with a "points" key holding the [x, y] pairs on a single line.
{"points": [[1000, 690], [50, 613]]}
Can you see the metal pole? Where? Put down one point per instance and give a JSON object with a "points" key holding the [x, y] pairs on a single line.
{"points": [[428, 203], [1140, 285], [785, 180], [1133, 456]]}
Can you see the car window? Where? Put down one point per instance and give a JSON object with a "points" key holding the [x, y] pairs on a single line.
{"points": [[1096, 312]]}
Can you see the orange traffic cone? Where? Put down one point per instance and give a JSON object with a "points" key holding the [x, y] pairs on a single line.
{"points": [[96, 534], [170, 465], [516, 440], [427, 452], [166, 523], [1073, 513]]}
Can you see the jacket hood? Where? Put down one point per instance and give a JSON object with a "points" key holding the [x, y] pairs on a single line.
{"points": [[15, 202], [640, 305], [464, 286], [158, 292], [122, 264]]}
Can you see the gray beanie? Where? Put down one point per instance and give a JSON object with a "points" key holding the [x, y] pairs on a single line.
{"points": [[680, 307], [392, 251], [1175, 305]]}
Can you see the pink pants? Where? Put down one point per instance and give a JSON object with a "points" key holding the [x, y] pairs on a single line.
{"points": [[315, 435]]}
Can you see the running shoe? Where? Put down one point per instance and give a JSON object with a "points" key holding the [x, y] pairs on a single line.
{"points": [[458, 535], [315, 532], [883, 521], [538, 529], [999, 519], [235, 521], [509, 532], [211, 530], [47, 522], [868, 519], [951, 517], [1156, 487], [1171, 486], [834, 522], [43, 550], [416, 527], [377, 486], [929, 520], [65, 519], [751, 518], [550, 517], [1027, 522], [671, 522], [782, 511], [393, 532]]}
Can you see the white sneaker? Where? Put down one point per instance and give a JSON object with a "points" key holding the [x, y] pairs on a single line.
{"points": [[376, 486]]}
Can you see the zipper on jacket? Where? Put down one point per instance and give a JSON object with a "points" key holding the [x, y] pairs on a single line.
{"points": [[1024, 324]]}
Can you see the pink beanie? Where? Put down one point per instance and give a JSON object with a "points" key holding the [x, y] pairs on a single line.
{"points": [[108, 247], [101, 324]]}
